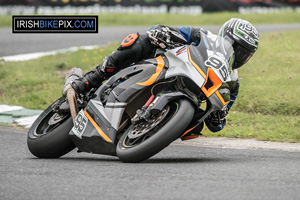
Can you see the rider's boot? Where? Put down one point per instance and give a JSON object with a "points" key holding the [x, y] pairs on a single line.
{"points": [[95, 77]]}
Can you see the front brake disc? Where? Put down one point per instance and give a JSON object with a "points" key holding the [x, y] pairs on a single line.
{"points": [[146, 126]]}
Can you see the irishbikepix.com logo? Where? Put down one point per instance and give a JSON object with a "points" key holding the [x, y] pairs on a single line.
{"points": [[55, 24]]}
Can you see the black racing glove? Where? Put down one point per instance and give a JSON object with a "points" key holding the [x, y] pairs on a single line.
{"points": [[81, 85], [159, 37], [73, 74]]}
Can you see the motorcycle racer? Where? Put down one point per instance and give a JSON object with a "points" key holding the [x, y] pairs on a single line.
{"points": [[136, 47]]}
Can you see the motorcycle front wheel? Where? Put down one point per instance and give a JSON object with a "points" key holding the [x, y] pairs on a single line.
{"points": [[145, 139], [48, 137]]}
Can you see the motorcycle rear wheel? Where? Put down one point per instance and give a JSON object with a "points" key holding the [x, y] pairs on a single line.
{"points": [[50, 140], [136, 146]]}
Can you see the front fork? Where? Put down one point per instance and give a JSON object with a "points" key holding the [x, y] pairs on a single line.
{"points": [[143, 114]]}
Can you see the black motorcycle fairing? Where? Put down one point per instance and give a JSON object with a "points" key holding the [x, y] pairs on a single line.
{"points": [[92, 142], [125, 83]]}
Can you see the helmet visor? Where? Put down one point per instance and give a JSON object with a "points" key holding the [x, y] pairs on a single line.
{"points": [[242, 56]]}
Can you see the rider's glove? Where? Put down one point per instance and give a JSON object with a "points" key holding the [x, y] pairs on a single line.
{"points": [[159, 37], [81, 85], [217, 120], [73, 74]]}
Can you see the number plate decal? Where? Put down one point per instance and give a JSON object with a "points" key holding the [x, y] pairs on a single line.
{"points": [[80, 124], [219, 64]]}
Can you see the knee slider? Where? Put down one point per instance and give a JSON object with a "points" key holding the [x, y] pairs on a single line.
{"points": [[129, 40]]}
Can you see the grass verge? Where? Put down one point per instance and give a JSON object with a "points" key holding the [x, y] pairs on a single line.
{"points": [[267, 107], [196, 20], [270, 81], [36, 83], [177, 19], [277, 128]]}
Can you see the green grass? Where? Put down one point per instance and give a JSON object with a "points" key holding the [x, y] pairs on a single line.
{"points": [[279, 128], [270, 81], [198, 20], [36, 83], [176, 19], [267, 108]]}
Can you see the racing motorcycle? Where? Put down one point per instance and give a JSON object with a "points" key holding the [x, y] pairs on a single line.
{"points": [[140, 110]]}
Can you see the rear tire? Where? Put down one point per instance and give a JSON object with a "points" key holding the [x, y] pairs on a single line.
{"points": [[165, 132], [50, 140]]}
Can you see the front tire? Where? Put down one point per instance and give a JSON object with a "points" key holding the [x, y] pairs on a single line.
{"points": [[50, 140], [145, 145]]}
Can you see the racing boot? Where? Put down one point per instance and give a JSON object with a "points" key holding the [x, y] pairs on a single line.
{"points": [[94, 78]]}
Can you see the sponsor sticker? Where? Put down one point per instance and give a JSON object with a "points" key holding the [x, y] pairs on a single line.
{"points": [[180, 51]]}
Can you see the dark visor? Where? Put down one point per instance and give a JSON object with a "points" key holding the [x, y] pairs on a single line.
{"points": [[242, 56]]}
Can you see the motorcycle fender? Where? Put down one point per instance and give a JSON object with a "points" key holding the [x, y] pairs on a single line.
{"points": [[160, 102]]}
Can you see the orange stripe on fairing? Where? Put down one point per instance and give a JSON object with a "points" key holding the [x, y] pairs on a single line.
{"points": [[183, 137], [105, 137], [221, 98], [186, 132], [159, 68], [195, 65]]}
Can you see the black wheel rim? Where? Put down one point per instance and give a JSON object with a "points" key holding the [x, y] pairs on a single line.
{"points": [[50, 122], [141, 132]]}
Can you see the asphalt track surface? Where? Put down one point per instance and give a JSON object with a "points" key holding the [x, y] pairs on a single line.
{"points": [[13, 44], [178, 172]]}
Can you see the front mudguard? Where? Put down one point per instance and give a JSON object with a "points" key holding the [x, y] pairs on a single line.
{"points": [[161, 101]]}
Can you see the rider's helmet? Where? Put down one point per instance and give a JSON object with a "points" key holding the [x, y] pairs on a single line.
{"points": [[244, 38]]}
